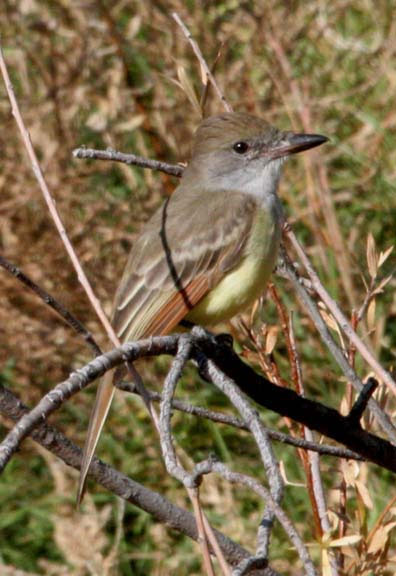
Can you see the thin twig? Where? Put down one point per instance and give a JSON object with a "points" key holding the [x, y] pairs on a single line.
{"points": [[223, 418], [201, 60], [193, 493], [69, 318], [311, 465], [206, 83], [213, 541], [171, 380], [339, 316], [371, 292]]}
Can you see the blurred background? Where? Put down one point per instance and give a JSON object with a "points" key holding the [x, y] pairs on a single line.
{"points": [[120, 74]]}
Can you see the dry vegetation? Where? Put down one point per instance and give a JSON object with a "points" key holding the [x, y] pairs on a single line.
{"points": [[118, 74]]}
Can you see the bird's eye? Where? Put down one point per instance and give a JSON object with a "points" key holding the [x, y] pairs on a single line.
{"points": [[241, 147]]}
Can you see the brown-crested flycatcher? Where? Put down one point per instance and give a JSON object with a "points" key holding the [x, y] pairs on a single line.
{"points": [[208, 251]]}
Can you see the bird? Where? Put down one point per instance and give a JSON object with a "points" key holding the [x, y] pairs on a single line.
{"points": [[208, 251]]}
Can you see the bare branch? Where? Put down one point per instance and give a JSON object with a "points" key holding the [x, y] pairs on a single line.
{"points": [[252, 419], [131, 159], [168, 450], [172, 463]]}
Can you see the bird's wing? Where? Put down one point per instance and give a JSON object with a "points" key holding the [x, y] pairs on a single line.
{"points": [[184, 250]]}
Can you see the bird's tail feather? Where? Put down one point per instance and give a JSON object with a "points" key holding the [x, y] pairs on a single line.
{"points": [[99, 412]]}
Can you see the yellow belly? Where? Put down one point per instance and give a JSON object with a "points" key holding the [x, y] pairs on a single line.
{"points": [[244, 284]]}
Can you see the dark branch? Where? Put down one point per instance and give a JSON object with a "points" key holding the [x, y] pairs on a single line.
{"points": [[362, 400], [286, 402], [316, 416]]}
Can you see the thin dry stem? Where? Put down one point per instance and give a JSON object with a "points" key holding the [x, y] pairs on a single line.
{"points": [[339, 316], [51, 204], [215, 546], [203, 542], [201, 60], [314, 477]]}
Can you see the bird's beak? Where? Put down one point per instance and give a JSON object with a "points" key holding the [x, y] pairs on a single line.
{"points": [[293, 143]]}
